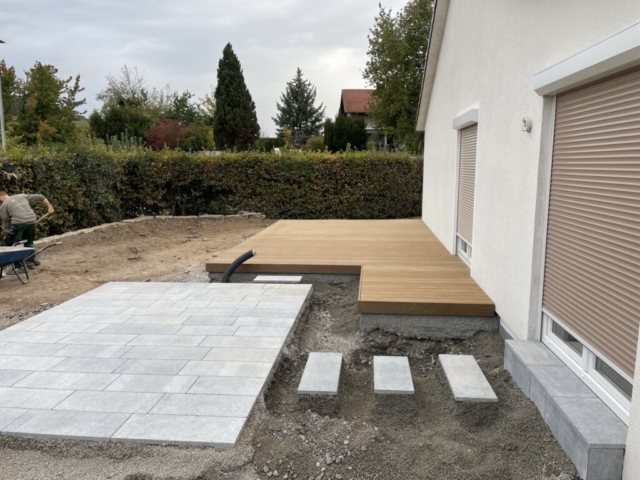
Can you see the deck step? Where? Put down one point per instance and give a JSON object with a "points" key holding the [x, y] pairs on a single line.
{"points": [[392, 375], [278, 279], [467, 382], [321, 375]]}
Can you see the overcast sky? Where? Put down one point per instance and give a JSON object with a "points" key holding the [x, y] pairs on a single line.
{"points": [[179, 42]]}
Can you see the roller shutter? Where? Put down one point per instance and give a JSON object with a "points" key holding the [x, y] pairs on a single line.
{"points": [[466, 182], [592, 266]]}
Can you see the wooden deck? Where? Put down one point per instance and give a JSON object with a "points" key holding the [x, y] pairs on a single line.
{"points": [[403, 267]]}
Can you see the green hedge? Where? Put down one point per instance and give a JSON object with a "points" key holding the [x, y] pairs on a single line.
{"points": [[90, 185]]}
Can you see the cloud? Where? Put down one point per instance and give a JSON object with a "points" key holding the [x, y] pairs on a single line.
{"points": [[180, 43]]}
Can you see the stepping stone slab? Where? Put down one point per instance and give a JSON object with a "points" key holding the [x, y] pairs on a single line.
{"points": [[467, 382], [321, 375], [277, 279], [392, 375]]}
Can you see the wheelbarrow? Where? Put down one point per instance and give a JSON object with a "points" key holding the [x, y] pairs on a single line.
{"points": [[16, 257], [12, 256]]}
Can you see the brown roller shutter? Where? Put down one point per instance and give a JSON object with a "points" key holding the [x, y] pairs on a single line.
{"points": [[466, 182], [592, 271]]}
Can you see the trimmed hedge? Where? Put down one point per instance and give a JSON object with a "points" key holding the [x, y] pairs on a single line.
{"points": [[90, 185]]}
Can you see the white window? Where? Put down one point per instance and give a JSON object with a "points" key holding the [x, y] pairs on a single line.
{"points": [[608, 382], [464, 251]]}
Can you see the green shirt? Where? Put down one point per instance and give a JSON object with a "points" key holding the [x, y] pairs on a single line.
{"points": [[16, 210]]}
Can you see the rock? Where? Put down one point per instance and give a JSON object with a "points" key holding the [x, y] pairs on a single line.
{"points": [[328, 459], [275, 473], [270, 474], [340, 459], [265, 469], [338, 476]]}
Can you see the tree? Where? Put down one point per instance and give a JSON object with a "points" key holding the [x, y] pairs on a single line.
{"points": [[166, 133], [10, 90], [47, 110], [397, 50], [297, 110], [116, 119], [235, 124], [345, 132]]}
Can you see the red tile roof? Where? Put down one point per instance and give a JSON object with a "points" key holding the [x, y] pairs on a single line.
{"points": [[355, 101]]}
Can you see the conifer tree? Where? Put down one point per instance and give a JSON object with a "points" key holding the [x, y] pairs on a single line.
{"points": [[235, 124], [297, 110]]}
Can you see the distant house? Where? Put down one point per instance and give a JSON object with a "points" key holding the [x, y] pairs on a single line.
{"points": [[356, 103]]}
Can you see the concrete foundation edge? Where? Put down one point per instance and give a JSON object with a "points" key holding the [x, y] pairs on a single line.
{"points": [[428, 327]]}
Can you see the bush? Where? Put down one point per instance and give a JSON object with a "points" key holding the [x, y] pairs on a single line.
{"points": [[315, 144], [345, 132], [90, 185], [268, 144]]}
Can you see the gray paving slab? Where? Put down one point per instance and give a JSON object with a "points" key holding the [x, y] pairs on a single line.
{"points": [[211, 321], [243, 342], [533, 353], [181, 430], [152, 384], [269, 355], [87, 365], [137, 329], [207, 330], [466, 380], [31, 397], [252, 331], [207, 405], [31, 337], [8, 378], [111, 402], [8, 415], [22, 327], [392, 375], [264, 322], [156, 319], [286, 279], [30, 349], [63, 424], [67, 381], [67, 327], [94, 318], [152, 367], [20, 362], [209, 312], [133, 302], [91, 351], [162, 312], [246, 369], [102, 310], [321, 374], [96, 366], [98, 339], [181, 303], [166, 353], [267, 312], [168, 340], [227, 386], [201, 368]]}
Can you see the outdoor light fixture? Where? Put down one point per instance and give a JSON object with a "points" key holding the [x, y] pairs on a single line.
{"points": [[526, 125], [4, 137]]}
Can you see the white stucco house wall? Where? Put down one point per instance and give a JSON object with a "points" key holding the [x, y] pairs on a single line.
{"points": [[501, 66]]}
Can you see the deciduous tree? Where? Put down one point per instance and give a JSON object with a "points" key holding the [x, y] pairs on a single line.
{"points": [[235, 124], [297, 110], [397, 50]]}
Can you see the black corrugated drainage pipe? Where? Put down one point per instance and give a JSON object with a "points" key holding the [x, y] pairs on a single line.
{"points": [[236, 263]]}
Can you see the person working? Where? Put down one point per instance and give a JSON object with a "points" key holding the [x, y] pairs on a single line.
{"points": [[19, 219]]}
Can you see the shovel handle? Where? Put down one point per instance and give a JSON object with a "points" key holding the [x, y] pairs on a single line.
{"points": [[42, 218]]}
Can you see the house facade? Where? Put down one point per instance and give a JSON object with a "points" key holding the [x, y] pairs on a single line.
{"points": [[531, 118], [355, 102]]}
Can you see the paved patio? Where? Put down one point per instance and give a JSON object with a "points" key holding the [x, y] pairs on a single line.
{"points": [[169, 363]]}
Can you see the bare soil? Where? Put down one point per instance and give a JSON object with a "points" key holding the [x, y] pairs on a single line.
{"points": [[356, 436]]}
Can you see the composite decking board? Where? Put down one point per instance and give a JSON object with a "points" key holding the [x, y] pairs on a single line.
{"points": [[404, 268]]}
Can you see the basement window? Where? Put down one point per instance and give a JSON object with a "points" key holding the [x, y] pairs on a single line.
{"points": [[567, 338], [625, 387], [465, 251]]}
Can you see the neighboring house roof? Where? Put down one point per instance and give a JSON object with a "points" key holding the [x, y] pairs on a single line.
{"points": [[355, 101], [438, 21]]}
